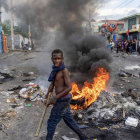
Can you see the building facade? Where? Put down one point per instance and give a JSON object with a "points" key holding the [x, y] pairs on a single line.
{"points": [[131, 25]]}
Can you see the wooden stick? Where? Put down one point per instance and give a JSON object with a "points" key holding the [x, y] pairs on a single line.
{"points": [[123, 113], [42, 117]]}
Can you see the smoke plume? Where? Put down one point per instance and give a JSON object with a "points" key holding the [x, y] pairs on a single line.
{"points": [[66, 16], [4, 4], [83, 52]]}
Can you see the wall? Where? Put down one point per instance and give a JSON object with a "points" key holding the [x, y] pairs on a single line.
{"points": [[120, 27], [139, 35], [137, 20], [126, 25], [17, 41], [1, 46], [126, 22]]}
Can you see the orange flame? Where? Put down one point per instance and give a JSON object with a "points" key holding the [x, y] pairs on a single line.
{"points": [[90, 91]]}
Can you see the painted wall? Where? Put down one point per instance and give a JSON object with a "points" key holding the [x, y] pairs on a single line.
{"points": [[125, 25], [17, 41], [1, 45]]}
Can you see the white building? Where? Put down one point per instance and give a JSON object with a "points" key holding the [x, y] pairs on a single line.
{"points": [[131, 23]]}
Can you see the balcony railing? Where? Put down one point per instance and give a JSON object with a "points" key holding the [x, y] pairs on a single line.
{"points": [[135, 28]]}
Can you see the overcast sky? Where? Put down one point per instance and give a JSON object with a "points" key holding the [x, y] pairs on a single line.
{"points": [[112, 9], [116, 9]]}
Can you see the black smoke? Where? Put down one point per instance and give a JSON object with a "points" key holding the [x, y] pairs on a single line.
{"points": [[4, 4], [66, 16], [84, 53]]}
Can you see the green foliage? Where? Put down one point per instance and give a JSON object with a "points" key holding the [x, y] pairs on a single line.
{"points": [[6, 29], [17, 30]]}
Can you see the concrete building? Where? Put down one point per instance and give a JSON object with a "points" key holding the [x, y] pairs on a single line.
{"points": [[92, 26], [96, 26], [131, 23], [110, 28], [17, 41], [120, 24]]}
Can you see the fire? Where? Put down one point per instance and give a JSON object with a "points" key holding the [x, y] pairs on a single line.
{"points": [[90, 91]]}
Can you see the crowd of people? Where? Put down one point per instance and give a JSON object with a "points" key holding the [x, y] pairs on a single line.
{"points": [[128, 46]]}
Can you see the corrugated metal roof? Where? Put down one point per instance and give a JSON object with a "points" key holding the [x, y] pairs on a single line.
{"points": [[112, 21], [138, 14]]}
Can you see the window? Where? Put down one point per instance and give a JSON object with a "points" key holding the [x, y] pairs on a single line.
{"points": [[131, 22]]}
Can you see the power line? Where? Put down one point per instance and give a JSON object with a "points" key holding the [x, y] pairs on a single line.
{"points": [[124, 4], [128, 3], [121, 4], [12, 25], [134, 4]]}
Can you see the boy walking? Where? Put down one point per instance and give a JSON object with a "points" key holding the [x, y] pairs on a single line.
{"points": [[60, 82]]}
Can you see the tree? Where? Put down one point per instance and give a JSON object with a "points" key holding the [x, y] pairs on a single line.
{"points": [[7, 22], [6, 29], [17, 29]]}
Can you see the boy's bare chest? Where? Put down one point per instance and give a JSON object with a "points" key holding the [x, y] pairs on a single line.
{"points": [[59, 76]]}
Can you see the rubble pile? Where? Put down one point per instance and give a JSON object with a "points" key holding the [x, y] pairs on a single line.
{"points": [[33, 92], [16, 99], [18, 95], [110, 110], [124, 73]]}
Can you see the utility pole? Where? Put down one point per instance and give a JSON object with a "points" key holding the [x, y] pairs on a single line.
{"points": [[89, 15], [106, 30], [12, 25], [0, 14], [29, 34], [105, 24], [89, 20]]}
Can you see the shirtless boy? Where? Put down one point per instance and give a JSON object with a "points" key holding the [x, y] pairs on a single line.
{"points": [[60, 87]]}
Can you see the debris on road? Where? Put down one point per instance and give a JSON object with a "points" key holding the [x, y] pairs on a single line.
{"points": [[83, 126], [109, 111], [28, 74], [5, 77], [67, 138], [28, 105], [33, 92], [131, 122]]}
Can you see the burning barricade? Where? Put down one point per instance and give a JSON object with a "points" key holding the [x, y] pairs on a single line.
{"points": [[90, 91], [99, 108], [109, 110]]}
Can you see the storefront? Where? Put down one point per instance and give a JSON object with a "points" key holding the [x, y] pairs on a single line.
{"points": [[132, 35]]}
